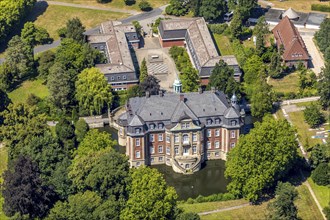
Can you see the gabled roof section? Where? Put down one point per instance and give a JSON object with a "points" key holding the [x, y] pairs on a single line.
{"points": [[182, 111], [231, 112], [291, 14], [136, 121], [286, 34]]}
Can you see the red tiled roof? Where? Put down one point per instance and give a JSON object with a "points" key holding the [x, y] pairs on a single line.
{"points": [[286, 34]]}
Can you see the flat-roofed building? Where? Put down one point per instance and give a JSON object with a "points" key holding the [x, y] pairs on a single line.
{"points": [[115, 41], [194, 34]]}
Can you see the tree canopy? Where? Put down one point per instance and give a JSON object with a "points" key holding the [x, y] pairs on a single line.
{"points": [[151, 85], [261, 158], [75, 29], [212, 9], [149, 196], [322, 36], [34, 35], [313, 115], [323, 86], [143, 70], [93, 92]]}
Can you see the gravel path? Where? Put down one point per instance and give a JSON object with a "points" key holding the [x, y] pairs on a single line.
{"points": [[224, 209]]}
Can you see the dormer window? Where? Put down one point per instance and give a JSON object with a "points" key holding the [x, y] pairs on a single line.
{"points": [[217, 120], [160, 126], [233, 122], [152, 126], [137, 130], [209, 121]]}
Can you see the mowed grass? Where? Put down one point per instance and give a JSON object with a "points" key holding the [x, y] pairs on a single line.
{"points": [[20, 94], [208, 206], [305, 135], [3, 167], [322, 193], [223, 44], [288, 83], [118, 3], [298, 5], [307, 209], [55, 17]]}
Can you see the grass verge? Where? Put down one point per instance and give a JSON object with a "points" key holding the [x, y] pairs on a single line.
{"points": [[288, 83], [223, 44], [322, 193], [21, 93], [55, 17], [3, 167]]}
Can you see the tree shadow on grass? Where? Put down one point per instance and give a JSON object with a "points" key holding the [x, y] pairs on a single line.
{"points": [[38, 9]]}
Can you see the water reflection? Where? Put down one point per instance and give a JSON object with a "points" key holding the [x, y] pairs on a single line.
{"points": [[209, 180]]}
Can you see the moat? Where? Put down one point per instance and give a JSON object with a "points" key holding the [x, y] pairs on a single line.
{"points": [[209, 180]]}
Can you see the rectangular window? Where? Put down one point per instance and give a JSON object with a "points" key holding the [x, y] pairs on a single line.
{"points": [[176, 151], [137, 142], [152, 150], [152, 126], [188, 125], [137, 154], [209, 133], [160, 149], [232, 134], [194, 149], [168, 150], [168, 139], [152, 160], [183, 125], [138, 164], [217, 132], [176, 138], [232, 144], [194, 137], [160, 137], [208, 145], [217, 144], [151, 138], [160, 159], [160, 126], [137, 130]]}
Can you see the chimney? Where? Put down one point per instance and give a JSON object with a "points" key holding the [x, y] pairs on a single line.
{"points": [[213, 89], [161, 93], [147, 94], [200, 90], [182, 97]]}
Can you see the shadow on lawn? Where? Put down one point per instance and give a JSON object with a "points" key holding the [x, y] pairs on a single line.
{"points": [[38, 9]]}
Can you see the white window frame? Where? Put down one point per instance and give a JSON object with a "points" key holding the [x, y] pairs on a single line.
{"points": [[194, 137], [232, 144], [217, 132], [208, 145], [160, 149], [137, 142], [168, 139], [176, 150], [152, 159], [209, 133], [151, 138], [194, 149], [160, 137], [168, 150], [137, 154], [152, 149], [217, 144], [233, 134], [176, 138], [160, 159]]}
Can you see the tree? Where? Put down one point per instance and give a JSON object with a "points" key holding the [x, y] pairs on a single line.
{"points": [[129, 2], [260, 30], [93, 92], [134, 91], [261, 158], [222, 78], [149, 196], [262, 98], [4, 102], [24, 192], [323, 86], [143, 70], [75, 30], [45, 62], [144, 5], [283, 207], [321, 175], [33, 35], [320, 154], [65, 132], [190, 79], [151, 85], [177, 8], [93, 141], [19, 58], [81, 129], [212, 9], [137, 26], [322, 36], [254, 68], [78, 206], [61, 87], [275, 68], [313, 115], [244, 6], [236, 25]]}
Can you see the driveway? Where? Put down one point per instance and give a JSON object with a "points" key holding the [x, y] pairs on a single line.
{"points": [[316, 58]]}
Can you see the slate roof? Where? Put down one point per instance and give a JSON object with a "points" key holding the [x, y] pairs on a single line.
{"points": [[136, 121], [286, 34], [231, 113], [169, 107]]}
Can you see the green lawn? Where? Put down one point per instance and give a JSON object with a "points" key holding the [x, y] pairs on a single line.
{"points": [[307, 209], [30, 86], [208, 206], [3, 167], [223, 44], [118, 3], [305, 135], [55, 17], [286, 84], [322, 193]]}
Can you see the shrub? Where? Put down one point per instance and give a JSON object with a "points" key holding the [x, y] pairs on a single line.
{"points": [[188, 216], [218, 28], [318, 7], [321, 175], [32, 100], [129, 2], [145, 6], [313, 115], [190, 201]]}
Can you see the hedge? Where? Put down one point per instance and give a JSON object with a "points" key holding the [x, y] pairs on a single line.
{"points": [[318, 7], [211, 198]]}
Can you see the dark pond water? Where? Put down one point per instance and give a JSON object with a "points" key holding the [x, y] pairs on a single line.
{"points": [[209, 180]]}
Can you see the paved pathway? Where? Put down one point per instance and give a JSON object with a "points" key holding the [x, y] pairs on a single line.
{"points": [[224, 209], [294, 101], [133, 12]]}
